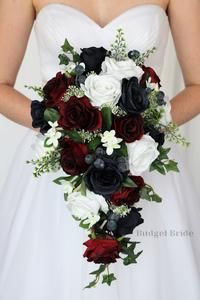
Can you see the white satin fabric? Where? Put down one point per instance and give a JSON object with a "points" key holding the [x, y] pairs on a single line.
{"points": [[41, 244]]}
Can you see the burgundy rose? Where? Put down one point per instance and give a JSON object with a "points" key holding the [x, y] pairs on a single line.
{"points": [[79, 113], [73, 157], [102, 251], [128, 196], [129, 127], [55, 89], [139, 181], [149, 73]]}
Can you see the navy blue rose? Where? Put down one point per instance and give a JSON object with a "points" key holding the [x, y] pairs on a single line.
{"points": [[93, 57], [127, 224], [103, 177], [37, 114], [134, 98]]}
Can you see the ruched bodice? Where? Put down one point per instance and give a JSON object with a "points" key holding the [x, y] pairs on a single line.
{"points": [[145, 26]]}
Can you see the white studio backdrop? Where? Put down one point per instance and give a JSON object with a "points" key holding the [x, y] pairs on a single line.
{"points": [[29, 73]]}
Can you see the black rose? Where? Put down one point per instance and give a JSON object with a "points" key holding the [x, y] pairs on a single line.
{"points": [[134, 98], [37, 114], [103, 180], [159, 137], [126, 224], [93, 58]]}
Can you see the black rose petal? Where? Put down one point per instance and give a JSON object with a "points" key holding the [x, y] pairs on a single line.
{"points": [[37, 114], [159, 137], [93, 57], [127, 224], [134, 98]]}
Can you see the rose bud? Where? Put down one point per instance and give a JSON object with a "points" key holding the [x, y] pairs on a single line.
{"points": [[102, 251]]}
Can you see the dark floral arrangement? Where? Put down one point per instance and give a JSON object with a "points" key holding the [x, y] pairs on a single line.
{"points": [[104, 121]]}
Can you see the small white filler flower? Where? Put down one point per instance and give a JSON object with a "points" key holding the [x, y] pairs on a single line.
{"points": [[110, 141], [53, 134]]}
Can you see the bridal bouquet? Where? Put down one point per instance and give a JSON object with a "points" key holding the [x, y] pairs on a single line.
{"points": [[104, 120]]}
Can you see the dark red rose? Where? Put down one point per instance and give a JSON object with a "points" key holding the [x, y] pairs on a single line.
{"points": [[73, 157], [55, 89], [138, 180], [149, 73], [128, 196], [102, 251], [79, 113], [129, 127]]}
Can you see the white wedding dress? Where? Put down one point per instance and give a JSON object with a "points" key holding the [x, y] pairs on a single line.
{"points": [[41, 251]]}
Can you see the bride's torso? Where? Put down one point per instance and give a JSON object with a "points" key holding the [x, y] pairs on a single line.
{"points": [[145, 26]]}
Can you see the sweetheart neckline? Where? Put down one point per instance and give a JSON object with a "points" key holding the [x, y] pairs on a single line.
{"points": [[77, 11]]}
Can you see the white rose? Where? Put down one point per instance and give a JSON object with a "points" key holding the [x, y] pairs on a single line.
{"points": [[121, 69], [141, 154], [86, 207], [102, 89]]}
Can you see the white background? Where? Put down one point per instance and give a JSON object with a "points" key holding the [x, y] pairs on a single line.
{"points": [[11, 133]]}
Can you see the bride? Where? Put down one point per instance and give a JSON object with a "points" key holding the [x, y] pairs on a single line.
{"points": [[40, 244]]}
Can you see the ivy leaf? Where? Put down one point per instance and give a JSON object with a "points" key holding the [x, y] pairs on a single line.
{"points": [[99, 271], [107, 118], [108, 278], [148, 193], [172, 166], [64, 59], [66, 47], [51, 114], [129, 183], [91, 284]]}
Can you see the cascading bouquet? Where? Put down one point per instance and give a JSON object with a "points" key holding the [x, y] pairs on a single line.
{"points": [[104, 120]]}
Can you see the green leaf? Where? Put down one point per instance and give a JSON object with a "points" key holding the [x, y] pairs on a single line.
{"points": [[108, 278], [83, 188], [172, 166], [131, 258], [83, 225], [65, 196], [51, 114], [91, 284], [94, 143], [122, 151], [99, 271], [76, 57], [107, 118], [74, 135], [129, 183], [62, 178], [66, 47], [64, 59], [148, 193]]}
